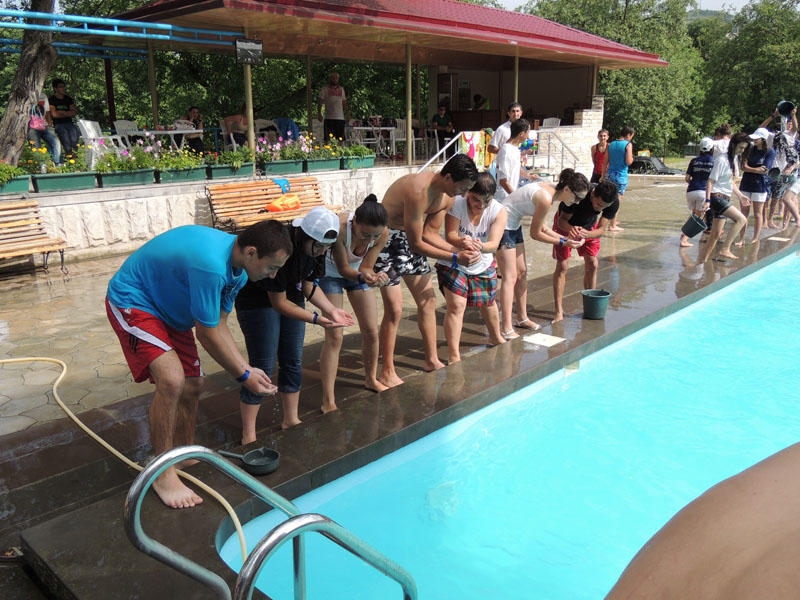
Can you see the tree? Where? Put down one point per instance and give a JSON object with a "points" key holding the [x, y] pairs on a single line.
{"points": [[37, 59], [660, 103]]}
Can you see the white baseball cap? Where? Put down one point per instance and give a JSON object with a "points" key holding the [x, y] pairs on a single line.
{"points": [[317, 223], [706, 144], [761, 132]]}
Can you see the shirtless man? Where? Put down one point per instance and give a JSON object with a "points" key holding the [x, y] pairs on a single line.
{"points": [[417, 205], [738, 540]]}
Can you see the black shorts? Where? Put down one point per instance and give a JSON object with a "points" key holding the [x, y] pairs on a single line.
{"points": [[719, 204]]}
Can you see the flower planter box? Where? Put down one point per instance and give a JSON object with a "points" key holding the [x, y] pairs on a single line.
{"points": [[323, 164], [115, 178], [281, 167], [220, 171], [16, 185], [180, 175], [358, 162], [57, 182]]}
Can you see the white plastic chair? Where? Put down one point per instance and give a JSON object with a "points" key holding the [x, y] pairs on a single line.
{"points": [[551, 122], [228, 143], [96, 143], [125, 129], [399, 135]]}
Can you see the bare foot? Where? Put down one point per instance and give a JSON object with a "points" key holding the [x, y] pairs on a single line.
{"points": [[493, 341], [390, 380], [453, 359], [286, 424], [432, 366], [739, 244], [172, 491], [616, 229], [185, 464], [558, 317], [686, 244], [771, 225], [727, 254], [375, 386], [328, 407]]}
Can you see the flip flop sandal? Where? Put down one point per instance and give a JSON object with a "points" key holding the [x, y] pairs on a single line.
{"points": [[12, 555], [532, 326]]}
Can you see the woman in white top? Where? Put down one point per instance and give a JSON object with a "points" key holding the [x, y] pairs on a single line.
{"points": [[349, 266], [509, 160], [719, 188], [533, 200], [476, 221]]}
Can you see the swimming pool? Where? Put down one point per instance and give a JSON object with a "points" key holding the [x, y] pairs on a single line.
{"points": [[550, 492]]}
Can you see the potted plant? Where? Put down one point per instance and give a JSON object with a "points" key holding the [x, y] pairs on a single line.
{"points": [[13, 180], [132, 166], [179, 165], [323, 157], [231, 163], [357, 156], [72, 174], [285, 156]]}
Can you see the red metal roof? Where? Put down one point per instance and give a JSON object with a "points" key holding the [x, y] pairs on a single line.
{"points": [[447, 18]]}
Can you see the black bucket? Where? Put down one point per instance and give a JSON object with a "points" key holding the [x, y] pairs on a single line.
{"points": [[595, 303], [693, 226]]}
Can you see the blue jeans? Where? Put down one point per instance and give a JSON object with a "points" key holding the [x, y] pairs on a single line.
{"points": [[69, 135], [50, 139], [269, 335]]}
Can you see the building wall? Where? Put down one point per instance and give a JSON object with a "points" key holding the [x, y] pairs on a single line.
{"points": [[104, 222]]}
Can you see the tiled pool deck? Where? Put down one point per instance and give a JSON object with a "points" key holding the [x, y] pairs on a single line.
{"points": [[48, 468]]}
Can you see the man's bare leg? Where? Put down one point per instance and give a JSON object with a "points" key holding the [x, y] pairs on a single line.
{"points": [[392, 311], [559, 283], [186, 416], [590, 272], [167, 372], [421, 288]]}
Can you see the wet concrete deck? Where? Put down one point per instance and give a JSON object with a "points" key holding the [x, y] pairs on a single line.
{"points": [[63, 485]]}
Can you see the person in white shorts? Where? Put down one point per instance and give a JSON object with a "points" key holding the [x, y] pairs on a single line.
{"points": [[754, 185], [697, 176]]}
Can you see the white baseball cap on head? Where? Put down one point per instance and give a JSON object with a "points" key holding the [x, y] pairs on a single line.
{"points": [[761, 132], [706, 144], [317, 223]]}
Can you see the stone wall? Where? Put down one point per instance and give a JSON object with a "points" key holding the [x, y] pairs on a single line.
{"points": [[104, 222], [579, 138]]}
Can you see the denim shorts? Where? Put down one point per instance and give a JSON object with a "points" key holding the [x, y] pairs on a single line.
{"points": [[719, 204], [511, 237], [338, 285], [269, 335]]}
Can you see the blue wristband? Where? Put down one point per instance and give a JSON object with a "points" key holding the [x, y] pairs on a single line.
{"points": [[244, 377], [316, 316], [455, 260], [562, 241], [360, 278]]}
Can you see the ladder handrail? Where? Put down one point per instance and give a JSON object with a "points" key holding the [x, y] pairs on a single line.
{"points": [[154, 549], [295, 526], [439, 153], [550, 132]]}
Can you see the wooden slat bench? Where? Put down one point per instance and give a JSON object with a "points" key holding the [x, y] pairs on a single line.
{"points": [[22, 232], [234, 206]]}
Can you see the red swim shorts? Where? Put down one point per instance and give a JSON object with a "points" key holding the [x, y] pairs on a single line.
{"points": [[145, 337], [591, 247]]}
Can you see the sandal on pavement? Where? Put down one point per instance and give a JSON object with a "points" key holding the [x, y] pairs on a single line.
{"points": [[509, 335], [527, 324]]}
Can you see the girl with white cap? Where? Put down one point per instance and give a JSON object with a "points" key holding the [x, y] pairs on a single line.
{"points": [[754, 185], [697, 176], [273, 318]]}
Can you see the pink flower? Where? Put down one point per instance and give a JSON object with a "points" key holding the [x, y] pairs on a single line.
{"points": [[102, 142], [158, 143], [124, 153]]}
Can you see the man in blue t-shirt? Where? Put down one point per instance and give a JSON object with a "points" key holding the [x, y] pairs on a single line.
{"points": [[188, 278]]}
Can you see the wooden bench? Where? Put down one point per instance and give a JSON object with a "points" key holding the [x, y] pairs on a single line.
{"points": [[234, 206], [22, 232]]}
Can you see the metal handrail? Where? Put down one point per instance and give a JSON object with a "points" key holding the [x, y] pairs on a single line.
{"points": [[551, 134], [440, 152], [300, 524], [154, 549]]}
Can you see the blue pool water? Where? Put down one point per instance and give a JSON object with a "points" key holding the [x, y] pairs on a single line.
{"points": [[550, 492]]}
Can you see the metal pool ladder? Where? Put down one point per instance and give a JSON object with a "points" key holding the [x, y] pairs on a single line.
{"points": [[291, 529]]}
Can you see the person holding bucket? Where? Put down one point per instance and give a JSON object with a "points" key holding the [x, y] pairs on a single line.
{"points": [[719, 188], [697, 176], [587, 220], [754, 185]]}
